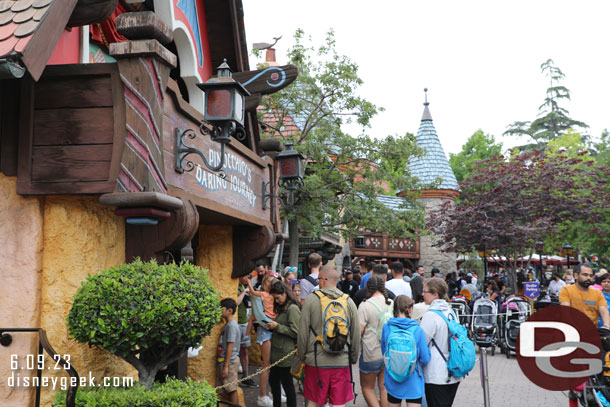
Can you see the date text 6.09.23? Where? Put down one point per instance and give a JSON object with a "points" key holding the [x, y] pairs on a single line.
{"points": [[38, 362]]}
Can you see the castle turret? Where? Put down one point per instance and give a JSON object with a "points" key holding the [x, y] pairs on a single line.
{"points": [[430, 168]]}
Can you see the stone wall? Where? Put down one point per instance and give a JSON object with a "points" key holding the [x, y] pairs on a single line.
{"points": [[432, 256]]}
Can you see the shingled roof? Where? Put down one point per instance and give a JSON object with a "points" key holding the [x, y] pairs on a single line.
{"points": [[434, 163], [30, 29]]}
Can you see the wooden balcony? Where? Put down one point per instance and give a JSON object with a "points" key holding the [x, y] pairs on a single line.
{"points": [[378, 245]]}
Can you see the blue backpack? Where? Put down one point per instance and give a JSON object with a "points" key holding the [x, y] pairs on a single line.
{"points": [[462, 353], [400, 357]]}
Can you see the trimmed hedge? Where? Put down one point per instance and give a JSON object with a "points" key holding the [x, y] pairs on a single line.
{"points": [[173, 393]]}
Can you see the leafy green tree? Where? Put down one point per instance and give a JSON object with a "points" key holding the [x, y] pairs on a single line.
{"points": [[553, 119], [144, 313], [344, 173], [479, 147]]}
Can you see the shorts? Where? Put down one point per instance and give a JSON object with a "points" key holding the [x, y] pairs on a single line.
{"points": [[394, 400], [370, 367], [327, 384], [262, 335], [232, 377], [245, 341]]}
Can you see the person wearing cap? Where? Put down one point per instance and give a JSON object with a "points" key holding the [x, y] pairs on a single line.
{"points": [[349, 286]]}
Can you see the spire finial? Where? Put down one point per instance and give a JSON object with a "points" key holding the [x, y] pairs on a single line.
{"points": [[426, 103]]}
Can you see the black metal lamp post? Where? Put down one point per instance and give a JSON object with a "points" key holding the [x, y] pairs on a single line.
{"points": [[290, 162], [224, 111], [567, 251], [483, 254], [539, 249]]}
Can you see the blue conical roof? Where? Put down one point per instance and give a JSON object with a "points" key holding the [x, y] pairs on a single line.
{"points": [[433, 164]]}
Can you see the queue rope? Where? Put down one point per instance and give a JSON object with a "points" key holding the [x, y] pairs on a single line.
{"points": [[257, 372]]}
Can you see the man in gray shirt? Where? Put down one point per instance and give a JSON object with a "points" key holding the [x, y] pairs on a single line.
{"points": [[307, 283]]}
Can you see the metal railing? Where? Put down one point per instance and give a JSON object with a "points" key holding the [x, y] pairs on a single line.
{"points": [[43, 344]]}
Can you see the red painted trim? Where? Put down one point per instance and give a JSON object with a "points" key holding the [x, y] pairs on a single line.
{"points": [[67, 50]]}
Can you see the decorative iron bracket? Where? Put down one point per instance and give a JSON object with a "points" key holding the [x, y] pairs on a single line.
{"points": [[269, 195], [221, 134]]}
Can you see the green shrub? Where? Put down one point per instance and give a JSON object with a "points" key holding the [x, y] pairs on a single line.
{"points": [[173, 393], [145, 313]]}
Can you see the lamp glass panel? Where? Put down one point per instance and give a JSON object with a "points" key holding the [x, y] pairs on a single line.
{"points": [[289, 168], [218, 103], [239, 107]]}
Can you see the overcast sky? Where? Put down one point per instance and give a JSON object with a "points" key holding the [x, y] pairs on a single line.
{"points": [[480, 60]]}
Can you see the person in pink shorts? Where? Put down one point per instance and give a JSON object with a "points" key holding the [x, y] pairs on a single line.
{"points": [[327, 375]]}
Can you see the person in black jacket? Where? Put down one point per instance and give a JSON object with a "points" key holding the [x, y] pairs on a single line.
{"points": [[349, 286], [378, 271]]}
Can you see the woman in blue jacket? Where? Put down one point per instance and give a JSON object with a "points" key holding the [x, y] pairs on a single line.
{"points": [[412, 389]]}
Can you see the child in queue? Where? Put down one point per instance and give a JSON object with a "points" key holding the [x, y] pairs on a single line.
{"points": [[412, 389], [263, 335]]}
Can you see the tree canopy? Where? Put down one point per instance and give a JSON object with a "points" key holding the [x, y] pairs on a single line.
{"points": [[344, 173], [509, 204], [553, 119], [478, 147]]}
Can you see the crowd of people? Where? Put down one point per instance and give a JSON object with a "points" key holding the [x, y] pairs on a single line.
{"points": [[394, 332]]}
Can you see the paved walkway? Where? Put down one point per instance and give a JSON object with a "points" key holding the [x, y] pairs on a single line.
{"points": [[508, 387]]}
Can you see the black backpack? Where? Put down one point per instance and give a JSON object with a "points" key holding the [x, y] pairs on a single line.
{"points": [[312, 280]]}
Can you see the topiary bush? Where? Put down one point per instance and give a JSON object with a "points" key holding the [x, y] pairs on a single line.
{"points": [[173, 393], [145, 313]]}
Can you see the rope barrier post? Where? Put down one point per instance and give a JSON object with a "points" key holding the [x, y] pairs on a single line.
{"points": [[485, 377]]}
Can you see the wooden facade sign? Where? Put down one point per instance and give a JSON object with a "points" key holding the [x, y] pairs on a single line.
{"points": [[239, 194]]}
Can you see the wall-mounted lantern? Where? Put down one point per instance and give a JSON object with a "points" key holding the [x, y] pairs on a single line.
{"points": [[224, 111], [290, 162]]}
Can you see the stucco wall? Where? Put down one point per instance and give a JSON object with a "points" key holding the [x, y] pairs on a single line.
{"points": [[21, 244], [80, 236], [214, 253], [432, 256]]}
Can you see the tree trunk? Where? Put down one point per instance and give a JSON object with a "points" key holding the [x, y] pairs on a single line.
{"points": [[147, 377], [293, 231]]}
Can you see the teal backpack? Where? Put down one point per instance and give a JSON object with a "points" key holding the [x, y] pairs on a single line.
{"points": [[462, 353], [400, 356]]}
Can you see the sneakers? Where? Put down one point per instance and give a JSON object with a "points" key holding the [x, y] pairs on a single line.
{"points": [[264, 401], [248, 383], [283, 399]]}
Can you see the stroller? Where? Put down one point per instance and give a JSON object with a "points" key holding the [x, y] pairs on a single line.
{"points": [[459, 304], [485, 323], [595, 392], [516, 311]]}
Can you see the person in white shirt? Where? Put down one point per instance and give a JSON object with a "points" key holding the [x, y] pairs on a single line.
{"points": [[475, 280], [397, 285], [556, 284]]}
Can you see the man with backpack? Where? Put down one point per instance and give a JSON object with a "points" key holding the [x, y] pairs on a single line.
{"points": [[309, 283], [329, 342]]}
